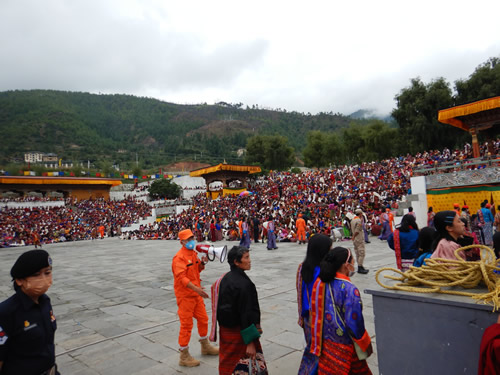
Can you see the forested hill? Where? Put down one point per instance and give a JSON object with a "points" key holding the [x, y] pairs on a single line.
{"points": [[80, 126]]}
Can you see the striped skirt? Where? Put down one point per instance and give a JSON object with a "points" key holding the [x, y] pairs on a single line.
{"points": [[232, 353], [341, 359]]}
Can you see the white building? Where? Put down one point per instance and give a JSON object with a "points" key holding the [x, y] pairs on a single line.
{"points": [[33, 157]]}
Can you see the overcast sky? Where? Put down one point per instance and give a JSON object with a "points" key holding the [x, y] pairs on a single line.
{"points": [[306, 56]]}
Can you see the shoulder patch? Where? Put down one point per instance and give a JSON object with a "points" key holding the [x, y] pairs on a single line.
{"points": [[3, 336]]}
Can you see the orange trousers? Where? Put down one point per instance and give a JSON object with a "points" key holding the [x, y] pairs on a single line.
{"points": [[189, 308], [301, 235]]}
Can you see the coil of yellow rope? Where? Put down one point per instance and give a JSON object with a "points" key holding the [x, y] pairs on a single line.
{"points": [[439, 274]]}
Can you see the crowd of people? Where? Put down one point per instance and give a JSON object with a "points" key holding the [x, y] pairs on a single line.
{"points": [[77, 220], [445, 232], [307, 208], [435, 158], [30, 199], [323, 198]]}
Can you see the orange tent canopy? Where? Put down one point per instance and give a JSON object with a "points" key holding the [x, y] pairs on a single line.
{"points": [[250, 169], [481, 114]]}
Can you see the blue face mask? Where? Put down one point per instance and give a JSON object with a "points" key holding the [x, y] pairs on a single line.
{"points": [[190, 245]]}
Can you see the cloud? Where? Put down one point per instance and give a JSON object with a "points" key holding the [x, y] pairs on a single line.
{"points": [[306, 57], [92, 50]]}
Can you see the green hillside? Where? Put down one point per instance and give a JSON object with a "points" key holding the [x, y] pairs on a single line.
{"points": [[118, 128]]}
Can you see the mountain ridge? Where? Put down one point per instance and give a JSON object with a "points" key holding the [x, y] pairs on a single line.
{"points": [[117, 128]]}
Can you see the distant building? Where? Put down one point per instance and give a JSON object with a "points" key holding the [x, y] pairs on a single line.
{"points": [[40, 157], [49, 157], [33, 157], [59, 164]]}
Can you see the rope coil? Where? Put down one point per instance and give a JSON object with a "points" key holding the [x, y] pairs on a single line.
{"points": [[439, 273]]}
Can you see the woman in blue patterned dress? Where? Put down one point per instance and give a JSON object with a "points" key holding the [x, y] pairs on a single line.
{"points": [[307, 273], [337, 318]]}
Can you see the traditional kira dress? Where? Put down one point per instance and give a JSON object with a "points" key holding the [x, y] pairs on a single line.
{"points": [[309, 362], [330, 340], [238, 314]]}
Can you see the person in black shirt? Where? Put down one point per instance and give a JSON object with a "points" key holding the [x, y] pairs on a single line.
{"points": [[256, 228], [238, 315], [27, 322]]}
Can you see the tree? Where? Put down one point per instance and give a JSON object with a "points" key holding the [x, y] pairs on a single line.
{"points": [[270, 151], [334, 150], [255, 150], [323, 149], [380, 141], [484, 83], [164, 189], [353, 142], [105, 167], [315, 150], [417, 116], [137, 170]]}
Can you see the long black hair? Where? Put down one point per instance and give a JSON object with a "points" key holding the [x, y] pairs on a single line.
{"points": [[317, 248], [441, 221], [426, 238], [496, 243], [406, 222], [332, 262]]}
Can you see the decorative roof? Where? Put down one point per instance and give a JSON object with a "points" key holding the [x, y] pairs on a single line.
{"points": [[468, 115], [249, 169], [33, 180]]}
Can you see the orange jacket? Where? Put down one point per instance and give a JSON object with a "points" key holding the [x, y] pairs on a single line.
{"points": [[300, 224], [186, 267]]}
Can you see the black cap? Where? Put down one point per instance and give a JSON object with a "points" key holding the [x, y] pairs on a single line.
{"points": [[30, 263]]}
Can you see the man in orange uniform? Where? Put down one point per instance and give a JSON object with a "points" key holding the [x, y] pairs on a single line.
{"points": [[186, 267], [301, 229], [102, 229]]}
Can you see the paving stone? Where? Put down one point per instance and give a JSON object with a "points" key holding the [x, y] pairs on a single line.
{"points": [[80, 340], [106, 288], [293, 340], [287, 364]]}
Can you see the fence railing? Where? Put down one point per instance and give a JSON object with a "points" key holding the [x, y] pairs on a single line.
{"points": [[461, 165]]}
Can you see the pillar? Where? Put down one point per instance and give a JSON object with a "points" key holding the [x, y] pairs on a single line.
{"points": [[475, 144]]}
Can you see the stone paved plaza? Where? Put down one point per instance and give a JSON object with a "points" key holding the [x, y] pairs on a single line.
{"points": [[116, 310]]}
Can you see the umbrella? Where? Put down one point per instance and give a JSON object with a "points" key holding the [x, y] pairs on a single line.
{"points": [[245, 193]]}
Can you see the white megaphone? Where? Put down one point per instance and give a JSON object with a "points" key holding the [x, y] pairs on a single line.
{"points": [[213, 252]]}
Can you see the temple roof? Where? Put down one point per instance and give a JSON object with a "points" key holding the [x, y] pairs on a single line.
{"points": [[482, 114], [246, 169]]}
